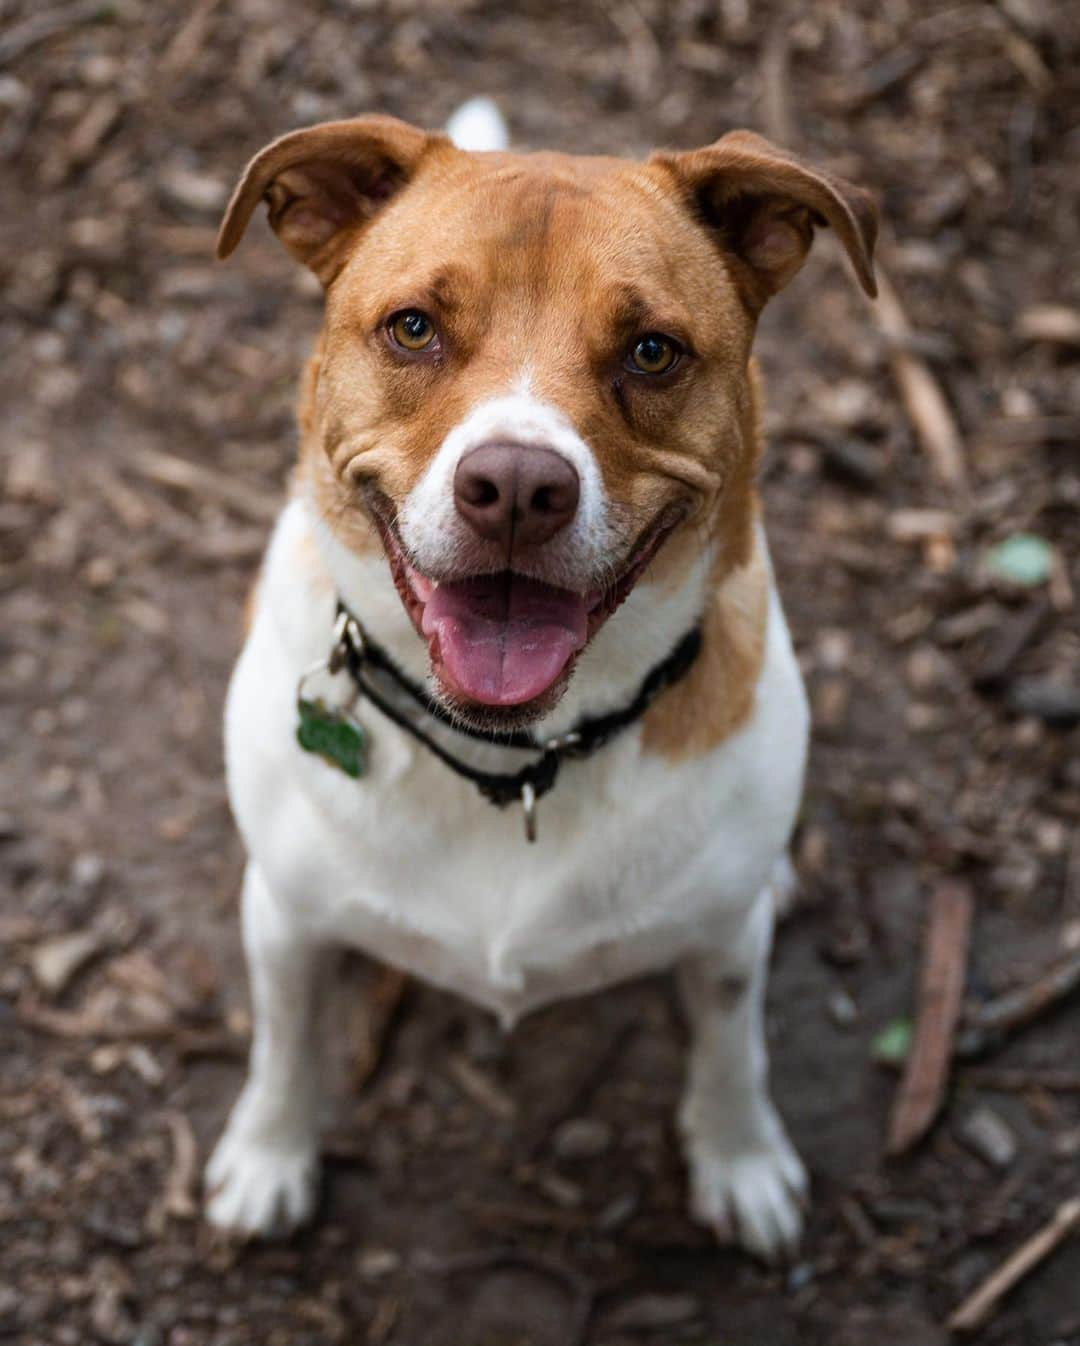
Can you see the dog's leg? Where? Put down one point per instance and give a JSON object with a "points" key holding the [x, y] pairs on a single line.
{"points": [[746, 1181], [783, 887], [262, 1176]]}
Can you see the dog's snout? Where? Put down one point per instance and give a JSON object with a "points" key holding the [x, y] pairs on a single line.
{"points": [[514, 494]]}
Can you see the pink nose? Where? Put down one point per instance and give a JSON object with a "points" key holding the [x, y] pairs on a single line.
{"points": [[515, 495]]}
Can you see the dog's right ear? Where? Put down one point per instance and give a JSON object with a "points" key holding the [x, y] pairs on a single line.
{"points": [[323, 183]]}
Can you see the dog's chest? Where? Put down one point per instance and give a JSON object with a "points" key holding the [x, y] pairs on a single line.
{"points": [[412, 866], [638, 859]]}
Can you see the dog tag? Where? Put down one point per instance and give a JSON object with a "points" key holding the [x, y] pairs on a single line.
{"points": [[332, 736]]}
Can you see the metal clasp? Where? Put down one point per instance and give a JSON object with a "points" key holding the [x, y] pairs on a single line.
{"points": [[562, 742], [347, 636], [528, 805]]}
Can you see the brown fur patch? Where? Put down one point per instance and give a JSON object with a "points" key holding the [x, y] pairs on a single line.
{"points": [[717, 695]]}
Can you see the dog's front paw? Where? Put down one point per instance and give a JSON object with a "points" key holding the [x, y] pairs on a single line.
{"points": [[752, 1197], [259, 1190]]}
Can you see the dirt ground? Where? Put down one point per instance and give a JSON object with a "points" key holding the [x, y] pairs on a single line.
{"points": [[146, 436]]}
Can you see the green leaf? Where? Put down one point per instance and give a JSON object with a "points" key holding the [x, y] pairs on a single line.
{"points": [[1023, 558], [337, 740], [891, 1046]]}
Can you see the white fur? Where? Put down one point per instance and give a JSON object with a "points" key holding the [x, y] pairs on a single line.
{"points": [[478, 125], [640, 864]]}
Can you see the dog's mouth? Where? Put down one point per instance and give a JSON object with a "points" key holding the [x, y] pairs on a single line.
{"points": [[505, 640]]}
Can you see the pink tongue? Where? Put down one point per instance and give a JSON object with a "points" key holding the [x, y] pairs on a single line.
{"points": [[503, 639]]}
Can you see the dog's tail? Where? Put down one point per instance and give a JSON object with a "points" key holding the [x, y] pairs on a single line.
{"points": [[478, 125]]}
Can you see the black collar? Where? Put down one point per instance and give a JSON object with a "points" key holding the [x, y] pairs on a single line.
{"points": [[359, 655]]}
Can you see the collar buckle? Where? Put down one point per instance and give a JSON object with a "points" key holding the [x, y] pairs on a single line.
{"points": [[348, 640], [563, 744]]}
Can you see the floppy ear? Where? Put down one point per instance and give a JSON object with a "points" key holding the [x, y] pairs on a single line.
{"points": [[322, 183], [764, 203]]}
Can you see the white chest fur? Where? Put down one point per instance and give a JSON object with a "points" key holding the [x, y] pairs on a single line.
{"points": [[638, 859]]}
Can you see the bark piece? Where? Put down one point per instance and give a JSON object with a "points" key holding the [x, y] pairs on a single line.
{"points": [[941, 988]]}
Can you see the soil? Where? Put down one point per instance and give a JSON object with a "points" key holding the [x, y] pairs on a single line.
{"points": [[146, 439]]}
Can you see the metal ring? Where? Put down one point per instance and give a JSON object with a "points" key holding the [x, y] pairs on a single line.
{"points": [[528, 804]]}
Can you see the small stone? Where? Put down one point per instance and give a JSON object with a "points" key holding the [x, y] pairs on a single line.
{"points": [[648, 1313], [987, 1135], [375, 1264], [88, 870], [55, 961], [100, 571], [834, 649], [192, 190], [1055, 703], [799, 1277], [582, 1138], [30, 476], [618, 1213], [1066, 1144], [840, 1008]]}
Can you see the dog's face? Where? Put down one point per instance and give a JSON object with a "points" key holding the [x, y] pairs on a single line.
{"points": [[533, 374]]}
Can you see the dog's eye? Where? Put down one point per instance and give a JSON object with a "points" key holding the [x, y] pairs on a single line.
{"points": [[653, 353], [412, 330]]}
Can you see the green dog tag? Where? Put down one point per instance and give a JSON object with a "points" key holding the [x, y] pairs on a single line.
{"points": [[328, 734]]}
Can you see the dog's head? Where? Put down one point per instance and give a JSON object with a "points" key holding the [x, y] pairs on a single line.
{"points": [[533, 374]]}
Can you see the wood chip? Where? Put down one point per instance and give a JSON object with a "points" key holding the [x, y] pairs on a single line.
{"points": [[478, 1086], [923, 400], [56, 961], [941, 987], [1053, 323], [979, 1306]]}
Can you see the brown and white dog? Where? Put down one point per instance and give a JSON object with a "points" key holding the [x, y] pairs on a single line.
{"points": [[529, 438]]}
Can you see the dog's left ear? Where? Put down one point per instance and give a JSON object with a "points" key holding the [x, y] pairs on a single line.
{"points": [[323, 183], [764, 204]]}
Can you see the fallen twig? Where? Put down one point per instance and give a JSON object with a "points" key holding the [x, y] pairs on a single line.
{"points": [[923, 399], [474, 1084], [179, 1200], [986, 1026], [775, 83], [981, 1303], [941, 987], [189, 40], [183, 475]]}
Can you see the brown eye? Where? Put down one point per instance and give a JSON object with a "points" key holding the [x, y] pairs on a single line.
{"points": [[653, 354], [413, 330]]}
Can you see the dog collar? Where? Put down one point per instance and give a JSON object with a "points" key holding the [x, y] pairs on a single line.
{"points": [[337, 737]]}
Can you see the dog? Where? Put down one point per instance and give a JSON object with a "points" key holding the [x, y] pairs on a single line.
{"points": [[518, 711]]}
